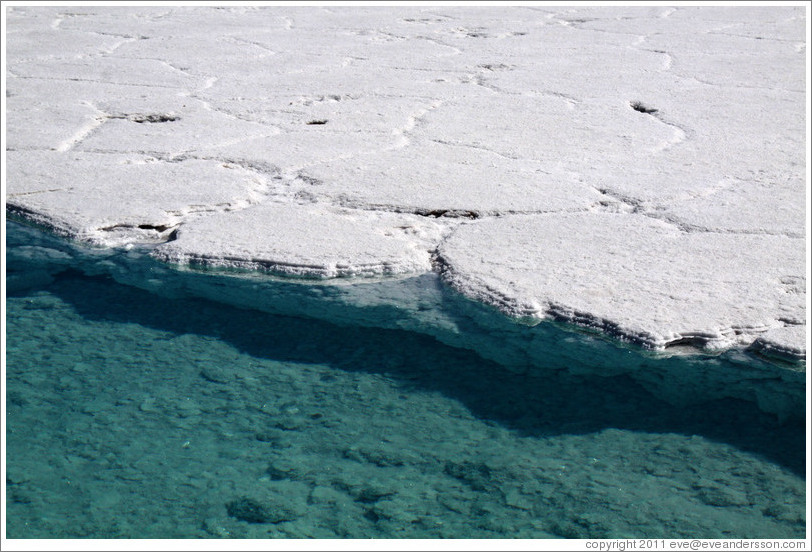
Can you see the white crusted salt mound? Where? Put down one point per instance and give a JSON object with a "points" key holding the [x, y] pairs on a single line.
{"points": [[118, 199], [278, 238], [631, 276], [783, 342]]}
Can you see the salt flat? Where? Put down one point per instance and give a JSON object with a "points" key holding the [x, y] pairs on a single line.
{"points": [[638, 170]]}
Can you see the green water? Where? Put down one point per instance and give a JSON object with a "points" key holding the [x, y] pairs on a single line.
{"points": [[132, 415]]}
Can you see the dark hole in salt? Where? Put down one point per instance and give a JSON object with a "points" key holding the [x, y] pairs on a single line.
{"points": [[159, 228], [642, 108], [437, 213], [695, 342], [153, 118], [317, 122]]}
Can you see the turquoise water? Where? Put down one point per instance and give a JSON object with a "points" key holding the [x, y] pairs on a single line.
{"points": [[132, 414]]}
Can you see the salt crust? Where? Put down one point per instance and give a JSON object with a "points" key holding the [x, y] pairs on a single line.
{"points": [[636, 170], [646, 281]]}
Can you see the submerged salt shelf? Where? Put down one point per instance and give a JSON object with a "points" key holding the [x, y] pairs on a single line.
{"points": [[423, 304], [158, 414]]}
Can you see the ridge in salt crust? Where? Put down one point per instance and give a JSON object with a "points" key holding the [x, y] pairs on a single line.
{"points": [[628, 275], [432, 176], [277, 238], [783, 342]]}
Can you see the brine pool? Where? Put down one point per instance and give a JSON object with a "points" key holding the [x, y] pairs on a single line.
{"points": [[132, 414]]}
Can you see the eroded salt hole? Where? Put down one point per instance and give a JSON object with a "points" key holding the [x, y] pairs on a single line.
{"points": [[643, 108], [156, 227], [152, 118], [449, 213]]}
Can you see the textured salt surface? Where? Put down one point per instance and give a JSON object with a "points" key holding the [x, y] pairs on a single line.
{"points": [[351, 243], [126, 124], [524, 265]]}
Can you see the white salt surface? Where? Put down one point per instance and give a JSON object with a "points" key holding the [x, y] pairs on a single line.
{"points": [[644, 280], [351, 243], [635, 169]]}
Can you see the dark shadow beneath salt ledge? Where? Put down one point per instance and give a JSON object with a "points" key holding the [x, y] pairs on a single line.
{"points": [[536, 403], [538, 380]]}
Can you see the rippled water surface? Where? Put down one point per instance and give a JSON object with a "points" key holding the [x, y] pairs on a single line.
{"points": [[133, 415]]}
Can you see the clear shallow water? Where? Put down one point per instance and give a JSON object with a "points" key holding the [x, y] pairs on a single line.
{"points": [[134, 415]]}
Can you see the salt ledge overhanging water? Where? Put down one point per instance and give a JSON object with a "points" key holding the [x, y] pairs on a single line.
{"points": [[158, 414], [656, 207], [423, 304]]}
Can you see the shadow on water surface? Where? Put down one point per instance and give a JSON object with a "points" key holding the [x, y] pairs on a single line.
{"points": [[541, 404]]}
